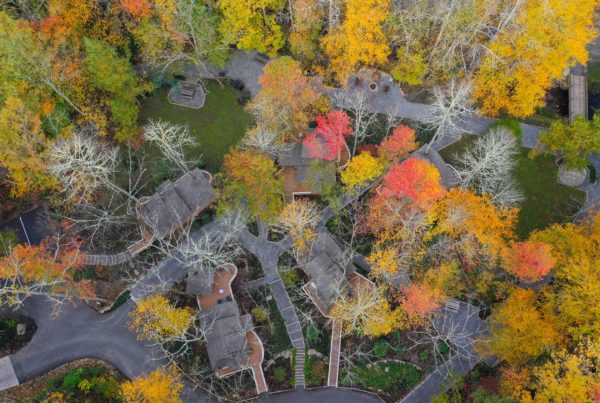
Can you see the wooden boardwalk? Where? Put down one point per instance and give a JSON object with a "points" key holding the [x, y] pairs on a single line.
{"points": [[120, 258], [334, 353], [578, 95]]}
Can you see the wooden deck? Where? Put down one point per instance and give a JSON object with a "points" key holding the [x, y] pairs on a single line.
{"points": [[334, 353], [119, 258], [291, 185], [221, 288]]}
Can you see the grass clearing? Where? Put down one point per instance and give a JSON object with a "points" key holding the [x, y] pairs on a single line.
{"points": [[391, 377], [546, 201], [217, 126]]}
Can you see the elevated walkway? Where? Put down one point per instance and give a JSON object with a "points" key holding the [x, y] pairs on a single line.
{"points": [[578, 95]]}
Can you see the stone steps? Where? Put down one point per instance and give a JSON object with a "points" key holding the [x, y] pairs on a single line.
{"points": [[299, 370]]}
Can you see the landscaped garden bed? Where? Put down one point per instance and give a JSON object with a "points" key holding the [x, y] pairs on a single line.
{"points": [[86, 380], [279, 373]]}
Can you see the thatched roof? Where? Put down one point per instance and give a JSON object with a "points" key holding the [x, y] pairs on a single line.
{"points": [[177, 202], [225, 333], [327, 267], [200, 281]]}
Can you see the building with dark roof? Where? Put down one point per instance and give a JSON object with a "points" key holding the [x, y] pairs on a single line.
{"points": [[231, 342], [225, 333], [176, 203], [305, 175], [331, 271], [199, 281]]}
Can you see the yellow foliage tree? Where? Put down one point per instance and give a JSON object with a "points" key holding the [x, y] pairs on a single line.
{"points": [[570, 377], [520, 331], [366, 311], [576, 286], [545, 37], [300, 219], [161, 385], [22, 145], [361, 170], [252, 24], [474, 219], [384, 261], [359, 40], [156, 319]]}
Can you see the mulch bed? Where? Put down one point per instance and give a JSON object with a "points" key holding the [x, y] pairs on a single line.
{"points": [[286, 384], [10, 341], [36, 386]]}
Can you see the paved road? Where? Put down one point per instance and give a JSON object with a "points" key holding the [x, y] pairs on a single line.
{"points": [[80, 332], [322, 395]]}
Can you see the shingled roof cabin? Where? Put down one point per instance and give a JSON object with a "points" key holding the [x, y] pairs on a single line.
{"points": [[329, 270], [299, 175], [231, 342], [176, 203]]}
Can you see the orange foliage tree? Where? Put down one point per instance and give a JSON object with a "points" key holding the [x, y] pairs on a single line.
{"points": [[529, 261], [137, 8], [329, 138], [398, 144], [286, 101], [307, 19], [419, 301], [416, 179], [42, 270]]}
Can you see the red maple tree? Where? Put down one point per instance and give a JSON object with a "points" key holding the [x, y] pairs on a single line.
{"points": [[398, 144], [328, 139], [420, 300], [530, 261], [416, 179]]}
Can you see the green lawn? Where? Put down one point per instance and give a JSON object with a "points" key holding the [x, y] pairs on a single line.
{"points": [[217, 126], [546, 201]]}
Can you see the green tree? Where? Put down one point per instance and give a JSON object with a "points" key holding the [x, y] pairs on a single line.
{"points": [[250, 180], [575, 141], [252, 24], [113, 74]]}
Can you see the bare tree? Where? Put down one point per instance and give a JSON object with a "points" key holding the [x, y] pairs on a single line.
{"points": [[205, 250], [82, 165], [265, 141], [101, 220], [460, 330], [356, 102], [449, 111], [351, 359], [333, 13], [300, 220], [172, 139], [488, 166]]}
